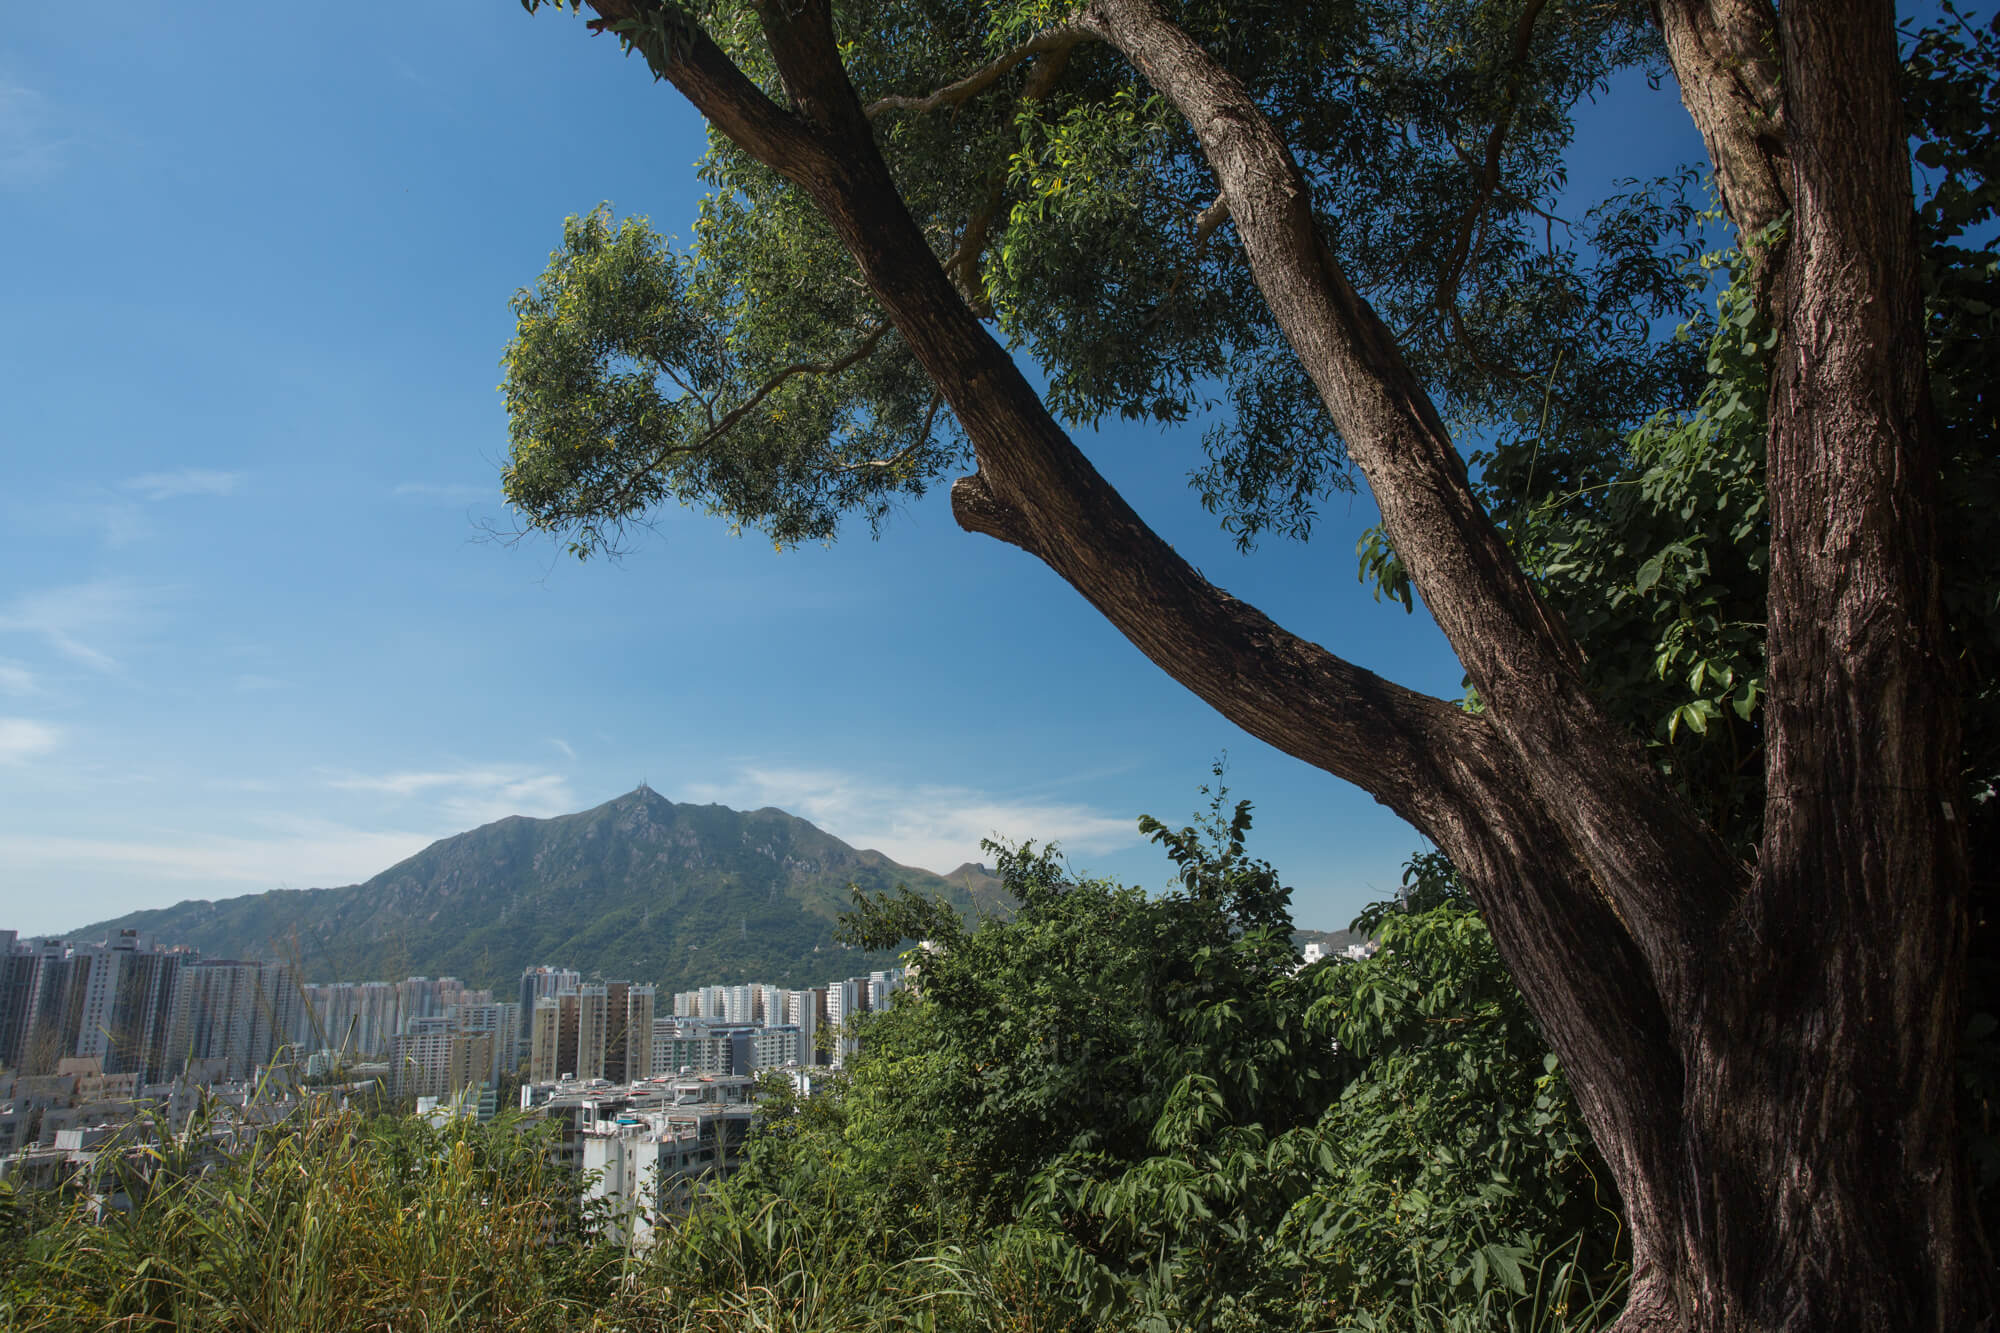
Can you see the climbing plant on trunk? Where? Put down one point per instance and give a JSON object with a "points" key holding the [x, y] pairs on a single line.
{"points": [[1322, 208]]}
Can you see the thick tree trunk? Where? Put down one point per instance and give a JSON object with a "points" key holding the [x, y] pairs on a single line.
{"points": [[1825, 1185], [1766, 1059]]}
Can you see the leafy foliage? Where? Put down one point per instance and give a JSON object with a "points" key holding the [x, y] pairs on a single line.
{"points": [[1459, 1164], [1661, 575], [815, 423], [749, 372], [1954, 111], [1147, 1102], [1067, 1027]]}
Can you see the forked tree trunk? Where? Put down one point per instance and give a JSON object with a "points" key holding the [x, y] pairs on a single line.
{"points": [[1823, 1184], [1765, 1055]]}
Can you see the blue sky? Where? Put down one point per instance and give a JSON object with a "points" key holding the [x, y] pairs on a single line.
{"points": [[249, 635]]}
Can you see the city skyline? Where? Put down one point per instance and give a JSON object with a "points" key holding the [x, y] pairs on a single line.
{"points": [[131, 1006]]}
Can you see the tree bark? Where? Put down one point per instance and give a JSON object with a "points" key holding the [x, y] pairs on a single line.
{"points": [[1766, 1060], [1725, 60], [1826, 1186]]}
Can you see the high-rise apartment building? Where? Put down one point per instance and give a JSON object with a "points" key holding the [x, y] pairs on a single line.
{"points": [[18, 966], [433, 1058], [758, 1048], [139, 1034], [45, 978], [361, 1018], [596, 1030], [91, 990], [416, 997], [356, 1018], [111, 1002], [737, 1004], [694, 1045], [545, 1041], [628, 1042], [618, 1031], [502, 1023], [806, 1011], [230, 1017], [880, 984], [540, 983], [568, 1035], [427, 997], [593, 1021], [847, 999], [664, 1032]]}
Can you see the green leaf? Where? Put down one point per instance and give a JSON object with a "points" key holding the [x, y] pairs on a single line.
{"points": [[1649, 573]]}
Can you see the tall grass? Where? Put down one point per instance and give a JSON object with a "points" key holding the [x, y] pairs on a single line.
{"points": [[340, 1223], [331, 1224], [772, 1264]]}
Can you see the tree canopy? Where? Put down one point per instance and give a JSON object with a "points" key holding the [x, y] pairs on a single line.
{"points": [[754, 374]]}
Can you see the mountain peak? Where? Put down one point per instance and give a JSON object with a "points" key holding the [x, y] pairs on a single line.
{"points": [[637, 887]]}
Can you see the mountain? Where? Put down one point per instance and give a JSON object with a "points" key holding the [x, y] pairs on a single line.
{"points": [[1331, 941], [638, 888]]}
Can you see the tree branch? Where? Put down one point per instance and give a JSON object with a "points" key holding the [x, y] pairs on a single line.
{"points": [[1037, 490], [1206, 221], [1522, 795], [764, 390], [904, 454], [964, 260], [979, 510], [1489, 170], [1523, 662], [679, 51], [626, 493], [1724, 56], [1054, 42]]}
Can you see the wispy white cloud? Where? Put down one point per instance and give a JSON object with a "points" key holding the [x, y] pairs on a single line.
{"points": [[564, 746], [411, 783], [185, 481], [250, 682], [295, 853], [457, 493], [16, 679], [75, 619], [23, 738], [465, 797], [31, 144], [934, 826]]}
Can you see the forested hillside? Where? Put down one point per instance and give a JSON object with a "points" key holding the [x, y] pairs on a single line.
{"points": [[639, 887]]}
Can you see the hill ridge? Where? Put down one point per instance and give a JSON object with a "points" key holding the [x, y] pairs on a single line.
{"points": [[638, 886]]}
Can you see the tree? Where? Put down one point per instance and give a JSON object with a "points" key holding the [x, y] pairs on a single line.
{"points": [[1150, 201], [1065, 1027], [1149, 1099]]}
